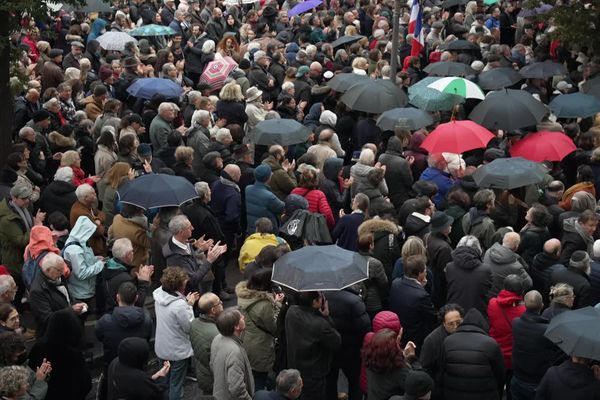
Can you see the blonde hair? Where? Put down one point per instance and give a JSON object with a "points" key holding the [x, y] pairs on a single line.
{"points": [[560, 292], [116, 173], [413, 246], [360, 63], [69, 158], [184, 154], [231, 92], [72, 73]]}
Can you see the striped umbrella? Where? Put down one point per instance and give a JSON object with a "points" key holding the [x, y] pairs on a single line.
{"points": [[458, 86], [152, 30], [217, 71]]}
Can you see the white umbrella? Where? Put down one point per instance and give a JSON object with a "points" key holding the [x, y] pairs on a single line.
{"points": [[115, 40], [458, 86]]}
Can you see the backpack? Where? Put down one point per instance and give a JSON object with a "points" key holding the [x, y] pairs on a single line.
{"points": [[31, 267], [62, 252]]}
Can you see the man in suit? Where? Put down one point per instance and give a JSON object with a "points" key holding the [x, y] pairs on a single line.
{"points": [[411, 302]]}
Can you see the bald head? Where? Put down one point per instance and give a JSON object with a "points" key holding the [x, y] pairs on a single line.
{"points": [[552, 247], [207, 303], [325, 135], [233, 171], [511, 240], [533, 301]]}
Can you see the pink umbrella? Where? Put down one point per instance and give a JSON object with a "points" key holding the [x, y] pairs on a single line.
{"points": [[544, 146], [217, 71]]}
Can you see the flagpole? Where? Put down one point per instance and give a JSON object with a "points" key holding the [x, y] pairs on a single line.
{"points": [[395, 36]]}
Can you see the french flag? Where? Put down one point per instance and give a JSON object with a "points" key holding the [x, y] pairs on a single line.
{"points": [[415, 26]]}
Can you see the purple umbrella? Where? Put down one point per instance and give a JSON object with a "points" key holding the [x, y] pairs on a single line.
{"points": [[532, 12], [304, 7], [543, 9]]}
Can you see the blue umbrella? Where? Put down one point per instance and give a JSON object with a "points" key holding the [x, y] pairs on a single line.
{"points": [[304, 7], [147, 87], [152, 30], [320, 268], [157, 190], [575, 105]]}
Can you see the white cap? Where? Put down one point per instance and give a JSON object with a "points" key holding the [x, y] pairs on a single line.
{"points": [[563, 85]]}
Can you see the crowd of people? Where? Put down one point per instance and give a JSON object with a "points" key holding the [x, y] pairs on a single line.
{"points": [[463, 281]]}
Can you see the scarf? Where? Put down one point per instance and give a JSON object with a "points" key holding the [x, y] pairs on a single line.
{"points": [[23, 214], [587, 238]]}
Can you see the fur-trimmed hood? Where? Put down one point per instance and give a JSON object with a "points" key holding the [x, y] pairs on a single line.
{"points": [[60, 140], [248, 296], [375, 225]]}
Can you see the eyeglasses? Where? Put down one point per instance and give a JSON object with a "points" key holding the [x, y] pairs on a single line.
{"points": [[218, 304]]}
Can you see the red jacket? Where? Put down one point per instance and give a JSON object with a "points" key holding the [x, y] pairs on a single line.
{"points": [[502, 310], [317, 203]]}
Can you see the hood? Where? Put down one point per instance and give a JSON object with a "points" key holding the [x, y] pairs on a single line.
{"points": [[543, 261], [314, 113], [501, 255], [332, 168], [60, 140], [386, 320], [508, 299], [292, 48], [128, 316], [465, 257], [569, 225], [165, 298], [97, 26], [431, 174], [82, 231], [237, 73], [133, 352], [90, 99], [114, 265], [40, 239], [474, 319], [394, 145], [376, 225], [476, 216], [416, 140], [360, 170], [248, 296], [64, 328], [467, 183], [328, 118]]}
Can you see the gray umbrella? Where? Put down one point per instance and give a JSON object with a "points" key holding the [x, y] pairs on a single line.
{"points": [[344, 40], [284, 132], [374, 97], [509, 173], [89, 6], [498, 78], [406, 118], [576, 332], [449, 68], [342, 82], [543, 70]]}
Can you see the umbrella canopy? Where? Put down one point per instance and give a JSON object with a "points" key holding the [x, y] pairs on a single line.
{"points": [[374, 97], [457, 137], [508, 109], [89, 6], [543, 70], [431, 100], [532, 12], [152, 30], [284, 132], [115, 40], [498, 78], [461, 45], [544, 146], [458, 86], [509, 173], [320, 268], [304, 7], [576, 332], [217, 71], [157, 190], [575, 105], [344, 40], [449, 68], [452, 3], [342, 82], [407, 118], [145, 88]]}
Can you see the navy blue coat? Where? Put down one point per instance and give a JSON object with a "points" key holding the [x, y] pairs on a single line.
{"points": [[345, 233], [226, 202], [262, 202]]}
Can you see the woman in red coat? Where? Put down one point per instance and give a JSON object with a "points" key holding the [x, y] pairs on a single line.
{"points": [[317, 201]]}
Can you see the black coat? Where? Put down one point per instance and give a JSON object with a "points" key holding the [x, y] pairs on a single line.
{"points": [[398, 176], [113, 278], [204, 221], [416, 226], [469, 280], [387, 238], [232, 111], [541, 267], [431, 356], [70, 377], [569, 381], [571, 241], [183, 170], [411, 302], [58, 196], [580, 283], [197, 271], [45, 299], [532, 353], [532, 242], [438, 255], [473, 364], [350, 318]]}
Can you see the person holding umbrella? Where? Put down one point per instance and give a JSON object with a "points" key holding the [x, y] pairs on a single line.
{"points": [[576, 378]]}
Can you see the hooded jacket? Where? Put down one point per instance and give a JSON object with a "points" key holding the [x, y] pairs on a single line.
{"points": [[503, 262], [387, 238], [479, 224], [124, 322], [58, 196], [282, 183], [442, 180], [359, 174], [317, 203], [469, 280], [173, 323], [331, 185], [254, 244], [502, 310], [574, 238], [97, 241], [84, 264], [93, 108], [541, 268], [472, 362], [126, 376], [532, 353], [262, 202], [569, 381]]}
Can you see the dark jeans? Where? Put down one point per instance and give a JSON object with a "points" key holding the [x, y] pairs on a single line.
{"points": [[176, 378], [522, 390], [314, 388], [348, 361], [262, 381]]}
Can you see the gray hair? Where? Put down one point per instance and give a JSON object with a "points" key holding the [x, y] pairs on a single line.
{"points": [[200, 115], [24, 131], [51, 260], [287, 380], [202, 189], [285, 86], [367, 157], [167, 67], [470, 241], [165, 106], [64, 174], [83, 191], [177, 224], [482, 198], [6, 283], [193, 96], [12, 379], [121, 247]]}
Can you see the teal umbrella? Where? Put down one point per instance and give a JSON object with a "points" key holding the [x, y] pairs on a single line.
{"points": [[152, 30], [431, 100], [575, 105]]}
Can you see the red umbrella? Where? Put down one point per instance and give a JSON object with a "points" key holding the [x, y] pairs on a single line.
{"points": [[217, 71], [457, 137], [544, 146]]}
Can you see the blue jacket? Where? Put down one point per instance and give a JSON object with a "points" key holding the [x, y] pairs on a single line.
{"points": [[226, 202], [345, 233], [262, 202], [442, 180]]}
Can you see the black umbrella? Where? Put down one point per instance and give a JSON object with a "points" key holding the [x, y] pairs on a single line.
{"points": [[157, 190], [342, 82], [374, 97], [543, 70], [452, 3], [406, 118], [278, 131], [320, 268], [509, 173], [344, 40], [461, 45], [508, 109], [498, 78], [90, 6], [449, 68], [576, 332]]}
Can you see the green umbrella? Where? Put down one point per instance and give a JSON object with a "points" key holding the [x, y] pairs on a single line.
{"points": [[152, 30], [458, 86], [490, 2]]}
